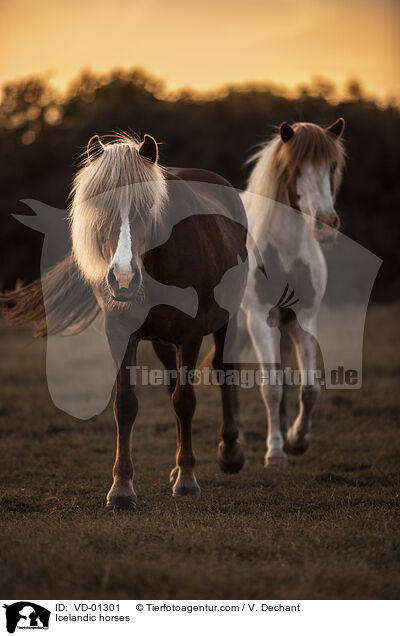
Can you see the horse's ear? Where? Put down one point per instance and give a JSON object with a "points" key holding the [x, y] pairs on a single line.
{"points": [[286, 131], [337, 127], [149, 149], [94, 148]]}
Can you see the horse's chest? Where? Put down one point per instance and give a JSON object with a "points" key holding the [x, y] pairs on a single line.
{"points": [[302, 269]]}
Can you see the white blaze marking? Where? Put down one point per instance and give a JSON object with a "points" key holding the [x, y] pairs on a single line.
{"points": [[314, 191], [121, 263]]}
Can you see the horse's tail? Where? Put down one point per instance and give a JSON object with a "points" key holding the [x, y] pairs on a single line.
{"points": [[58, 301]]}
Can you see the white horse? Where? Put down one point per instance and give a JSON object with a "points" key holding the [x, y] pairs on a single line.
{"points": [[290, 206]]}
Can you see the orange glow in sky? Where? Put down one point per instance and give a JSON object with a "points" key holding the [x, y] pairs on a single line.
{"points": [[206, 44]]}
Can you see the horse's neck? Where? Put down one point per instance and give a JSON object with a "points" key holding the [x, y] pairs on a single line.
{"points": [[275, 222]]}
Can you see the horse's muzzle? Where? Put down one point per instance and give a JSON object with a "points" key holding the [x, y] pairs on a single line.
{"points": [[326, 227], [123, 288], [329, 220]]}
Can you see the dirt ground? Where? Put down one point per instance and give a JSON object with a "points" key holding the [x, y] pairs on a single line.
{"points": [[326, 527]]}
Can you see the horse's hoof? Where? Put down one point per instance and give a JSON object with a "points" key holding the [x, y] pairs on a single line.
{"points": [[279, 461], [296, 445], [185, 487], [173, 475], [183, 491], [232, 461], [121, 502]]}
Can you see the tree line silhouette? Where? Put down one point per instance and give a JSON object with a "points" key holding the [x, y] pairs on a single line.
{"points": [[43, 133]]}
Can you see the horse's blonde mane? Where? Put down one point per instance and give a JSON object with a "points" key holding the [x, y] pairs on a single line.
{"points": [[119, 180], [277, 163]]}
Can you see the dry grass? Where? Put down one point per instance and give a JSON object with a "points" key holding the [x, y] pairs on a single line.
{"points": [[327, 527]]}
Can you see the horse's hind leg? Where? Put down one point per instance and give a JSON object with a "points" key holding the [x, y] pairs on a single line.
{"points": [[230, 450], [298, 435], [286, 346], [167, 354], [184, 403], [122, 495]]}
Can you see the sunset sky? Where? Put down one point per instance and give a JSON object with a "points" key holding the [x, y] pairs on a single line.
{"points": [[206, 44]]}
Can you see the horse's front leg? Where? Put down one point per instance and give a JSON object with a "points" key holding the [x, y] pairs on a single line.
{"points": [[184, 403], [298, 435], [122, 495], [266, 345]]}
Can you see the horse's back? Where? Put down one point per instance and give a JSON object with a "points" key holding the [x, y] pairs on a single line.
{"points": [[214, 193], [199, 174]]}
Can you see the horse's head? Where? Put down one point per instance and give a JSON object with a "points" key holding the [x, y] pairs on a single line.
{"points": [[311, 161], [118, 198]]}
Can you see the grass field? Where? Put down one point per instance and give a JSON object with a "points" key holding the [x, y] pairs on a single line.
{"points": [[327, 527]]}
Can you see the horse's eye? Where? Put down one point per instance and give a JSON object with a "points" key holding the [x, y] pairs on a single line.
{"points": [[333, 167]]}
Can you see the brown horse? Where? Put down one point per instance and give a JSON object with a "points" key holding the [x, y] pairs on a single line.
{"points": [[136, 229]]}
